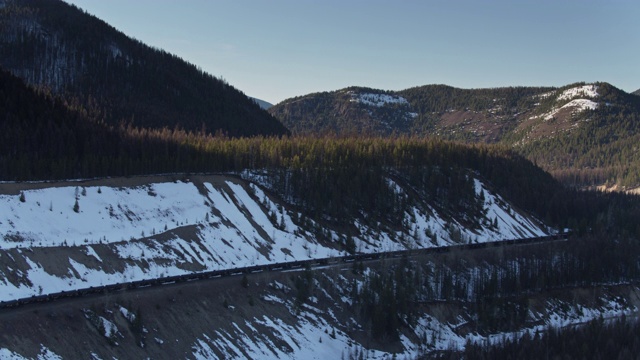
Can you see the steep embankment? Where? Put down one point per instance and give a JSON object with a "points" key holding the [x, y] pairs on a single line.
{"points": [[325, 314], [76, 234], [69, 237]]}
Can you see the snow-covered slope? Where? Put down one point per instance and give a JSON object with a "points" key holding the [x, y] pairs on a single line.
{"points": [[274, 326], [580, 100], [313, 335], [584, 91], [123, 234]]}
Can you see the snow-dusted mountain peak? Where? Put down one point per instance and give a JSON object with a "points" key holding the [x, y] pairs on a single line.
{"points": [[584, 91]]}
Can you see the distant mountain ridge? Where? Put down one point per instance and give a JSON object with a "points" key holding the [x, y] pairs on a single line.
{"points": [[58, 47], [263, 104], [637, 92], [574, 131]]}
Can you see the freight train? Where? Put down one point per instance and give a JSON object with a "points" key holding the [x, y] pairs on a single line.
{"points": [[291, 265]]}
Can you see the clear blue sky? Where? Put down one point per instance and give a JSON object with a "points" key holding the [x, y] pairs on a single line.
{"points": [[276, 49]]}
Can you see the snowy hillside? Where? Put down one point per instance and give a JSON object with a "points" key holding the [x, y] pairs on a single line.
{"points": [[273, 326], [585, 91], [161, 229], [580, 99], [314, 337]]}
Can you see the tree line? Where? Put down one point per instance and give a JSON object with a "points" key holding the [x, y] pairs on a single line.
{"points": [[43, 139]]}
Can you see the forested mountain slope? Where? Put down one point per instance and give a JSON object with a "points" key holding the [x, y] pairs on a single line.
{"points": [[583, 133], [45, 140], [91, 65], [282, 199], [106, 231], [41, 137]]}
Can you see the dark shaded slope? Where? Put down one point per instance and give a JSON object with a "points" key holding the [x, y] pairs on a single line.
{"points": [[56, 46], [40, 135], [42, 138]]}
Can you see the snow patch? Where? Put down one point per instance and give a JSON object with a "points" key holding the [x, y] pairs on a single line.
{"points": [[10, 355], [92, 252], [581, 105], [588, 91], [105, 214], [130, 316], [377, 100], [577, 105]]}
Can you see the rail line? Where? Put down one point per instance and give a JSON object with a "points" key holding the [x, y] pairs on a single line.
{"points": [[126, 286]]}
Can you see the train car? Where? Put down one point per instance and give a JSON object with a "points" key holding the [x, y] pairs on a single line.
{"points": [[273, 267], [9, 304]]}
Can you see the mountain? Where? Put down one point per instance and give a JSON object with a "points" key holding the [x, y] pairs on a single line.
{"points": [[637, 92], [63, 50], [44, 138], [420, 111], [278, 200], [572, 131]]}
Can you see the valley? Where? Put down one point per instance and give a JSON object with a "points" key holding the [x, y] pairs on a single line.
{"points": [[152, 210]]}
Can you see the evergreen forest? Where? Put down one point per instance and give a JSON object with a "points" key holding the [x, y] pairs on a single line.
{"points": [[120, 81]]}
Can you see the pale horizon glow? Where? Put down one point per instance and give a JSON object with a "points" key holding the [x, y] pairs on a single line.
{"points": [[274, 50]]}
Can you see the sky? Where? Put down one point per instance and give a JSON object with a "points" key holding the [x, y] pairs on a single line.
{"points": [[278, 49]]}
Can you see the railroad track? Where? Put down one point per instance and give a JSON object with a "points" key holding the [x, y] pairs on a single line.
{"points": [[290, 265]]}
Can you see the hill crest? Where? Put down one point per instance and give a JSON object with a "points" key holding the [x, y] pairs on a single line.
{"points": [[58, 47], [530, 119]]}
